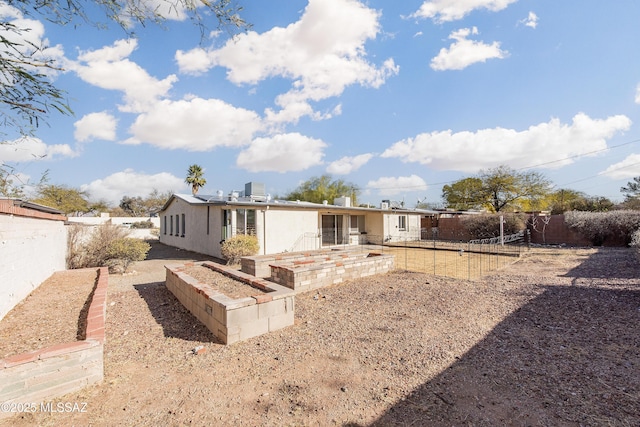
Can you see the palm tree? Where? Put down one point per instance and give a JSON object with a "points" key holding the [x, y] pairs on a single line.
{"points": [[195, 178]]}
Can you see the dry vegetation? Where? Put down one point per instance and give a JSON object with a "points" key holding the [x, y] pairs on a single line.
{"points": [[550, 340]]}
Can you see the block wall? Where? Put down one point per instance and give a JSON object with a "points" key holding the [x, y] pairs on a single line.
{"points": [[260, 266], [233, 320], [303, 276], [31, 250]]}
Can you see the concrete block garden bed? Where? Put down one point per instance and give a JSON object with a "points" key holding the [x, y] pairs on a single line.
{"points": [[307, 271], [233, 305]]}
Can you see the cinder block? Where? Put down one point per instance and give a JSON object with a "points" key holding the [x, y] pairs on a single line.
{"points": [[273, 308], [242, 315], [253, 329], [281, 321]]}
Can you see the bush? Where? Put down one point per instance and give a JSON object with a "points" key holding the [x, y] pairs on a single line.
{"points": [[238, 246], [122, 252], [598, 227], [485, 226], [143, 224], [89, 248]]}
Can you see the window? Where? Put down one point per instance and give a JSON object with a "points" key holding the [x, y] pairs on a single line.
{"points": [[356, 224], [208, 217], [171, 224], [246, 221], [183, 225], [177, 225], [165, 224], [402, 222]]}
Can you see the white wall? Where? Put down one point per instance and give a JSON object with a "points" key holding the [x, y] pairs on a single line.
{"points": [[283, 228], [195, 236], [31, 250], [394, 233], [115, 220]]}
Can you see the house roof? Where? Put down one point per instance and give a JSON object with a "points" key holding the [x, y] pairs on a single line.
{"points": [[217, 200]]}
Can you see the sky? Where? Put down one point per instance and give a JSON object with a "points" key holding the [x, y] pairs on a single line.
{"points": [[396, 97]]}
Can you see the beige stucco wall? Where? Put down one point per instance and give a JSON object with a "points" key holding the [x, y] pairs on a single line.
{"points": [[392, 231], [31, 249], [195, 234], [284, 229]]}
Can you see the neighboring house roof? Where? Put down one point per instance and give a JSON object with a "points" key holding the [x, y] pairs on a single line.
{"points": [[245, 202], [21, 207]]}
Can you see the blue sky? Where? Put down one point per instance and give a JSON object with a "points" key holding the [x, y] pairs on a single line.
{"points": [[396, 97]]}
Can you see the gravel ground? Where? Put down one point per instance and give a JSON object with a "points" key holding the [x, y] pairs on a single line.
{"points": [[550, 340]]}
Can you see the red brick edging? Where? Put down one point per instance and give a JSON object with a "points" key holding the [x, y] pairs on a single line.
{"points": [[16, 380]]}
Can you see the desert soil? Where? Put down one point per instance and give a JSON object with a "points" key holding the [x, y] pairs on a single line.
{"points": [[549, 340]]}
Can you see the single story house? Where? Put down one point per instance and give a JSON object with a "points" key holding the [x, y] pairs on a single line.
{"points": [[201, 223]]}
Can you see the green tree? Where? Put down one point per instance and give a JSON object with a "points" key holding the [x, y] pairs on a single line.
{"points": [[498, 190], [564, 200], [466, 194], [195, 178], [8, 186], [133, 206], [319, 189], [70, 201], [138, 206], [156, 200], [631, 194]]}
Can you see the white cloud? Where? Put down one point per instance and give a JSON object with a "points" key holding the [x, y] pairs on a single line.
{"points": [[531, 20], [322, 54], [485, 148], [391, 186], [347, 165], [96, 126], [195, 125], [464, 52], [628, 168], [133, 184], [451, 10], [106, 67], [31, 43], [30, 149], [282, 153]]}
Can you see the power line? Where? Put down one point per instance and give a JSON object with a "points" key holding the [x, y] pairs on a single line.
{"points": [[529, 167]]}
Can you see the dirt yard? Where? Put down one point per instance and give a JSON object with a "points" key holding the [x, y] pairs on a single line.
{"points": [[549, 340]]}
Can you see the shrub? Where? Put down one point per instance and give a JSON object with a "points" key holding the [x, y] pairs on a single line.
{"points": [[599, 227], [635, 239], [143, 224], [238, 246], [122, 252], [89, 248], [488, 225]]}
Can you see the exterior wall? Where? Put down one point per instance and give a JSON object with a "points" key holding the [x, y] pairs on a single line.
{"points": [[195, 237], [555, 232], [115, 220], [31, 249], [135, 233], [283, 228], [392, 232], [51, 372]]}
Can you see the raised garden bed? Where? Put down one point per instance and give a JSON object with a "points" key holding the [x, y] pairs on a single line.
{"points": [[248, 307]]}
